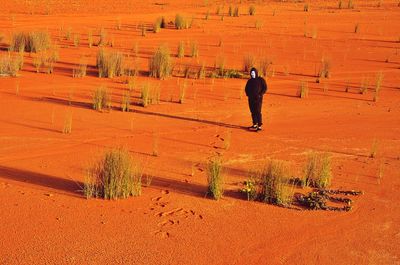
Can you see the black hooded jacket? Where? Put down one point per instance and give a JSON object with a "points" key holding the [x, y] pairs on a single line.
{"points": [[255, 87]]}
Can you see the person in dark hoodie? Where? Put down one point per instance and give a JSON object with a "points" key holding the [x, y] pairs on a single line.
{"points": [[255, 90]]}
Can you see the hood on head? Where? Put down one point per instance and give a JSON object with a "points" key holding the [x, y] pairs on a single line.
{"points": [[255, 70]]}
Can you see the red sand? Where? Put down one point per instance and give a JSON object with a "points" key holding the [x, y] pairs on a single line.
{"points": [[45, 218]]}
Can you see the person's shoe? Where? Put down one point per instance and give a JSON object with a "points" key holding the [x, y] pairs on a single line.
{"points": [[259, 128], [253, 128]]}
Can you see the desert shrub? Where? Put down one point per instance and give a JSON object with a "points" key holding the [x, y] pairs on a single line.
{"points": [[160, 64], [67, 129], [252, 10], [101, 98], [102, 37], [364, 85], [150, 94], [264, 65], [116, 175], [249, 61], [215, 178], [182, 91], [181, 49], [79, 70], [317, 170], [303, 90], [258, 24], [201, 74], [220, 65], [273, 182], [183, 22], [236, 12], [90, 39], [378, 84], [77, 40], [306, 7], [350, 4], [110, 63], [10, 65], [325, 68], [194, 50], [356, 27], [230, 11], [340, 4], [46, 59], [157, 24], [30, 41], [126, 102]]}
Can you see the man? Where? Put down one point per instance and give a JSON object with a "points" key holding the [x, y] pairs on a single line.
{"points": [[255, 90]]}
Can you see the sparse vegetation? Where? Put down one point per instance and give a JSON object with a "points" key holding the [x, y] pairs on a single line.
{"points": [[67, 129], [264, 66], [215, 178], [194, 50], [160, 64], [181, 49], [80, 70], [273, 181], [126, 102], [374, 149], [252, 10], [116, 175], [150, 94], [258, 24], [306, 7], [249, 61], [102, 37], [30, 41], [303, 92], [10, 64], [182, 91], [356, 27], [77, 40], [378, 84], [110, 63], [350, 4], [325, 69], [183, 22], [364, 85], [101, 98], [317, 171], [157, 24]]}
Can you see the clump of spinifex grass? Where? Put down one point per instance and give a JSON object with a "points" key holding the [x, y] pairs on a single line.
{"points": [[303, 90], [264, 64], [101, 98], [325, 69], [102, 37], [181, 49], [364, 85], [374, 149], [182, 91], [10, 65], [252, 10], [126, 102], [110, 63], [80, 70], [160, 64], [273, 182], [67, 129], [378, 84], [157, 24], [350, 4], [150, 94], [258, 24], [77, 40], [317, 171], [306, 7], [47, 59], [30, 41], [215, 178], [116, 175], [90, 39], [183, 22], [194, 50], [249, 62]]}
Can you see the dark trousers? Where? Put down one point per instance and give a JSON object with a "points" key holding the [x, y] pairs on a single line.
{"points": [[255, 105]]}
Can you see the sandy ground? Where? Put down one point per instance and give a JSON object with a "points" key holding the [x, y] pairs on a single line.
{"points": [[44, 217]]}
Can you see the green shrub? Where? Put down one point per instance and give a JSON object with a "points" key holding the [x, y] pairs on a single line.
{"points": [[317, 171], [110, 63], [116, 175], [30, 41], [182, 22], [273, 181], [215, 178], [160, 64], [101, 98]]}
